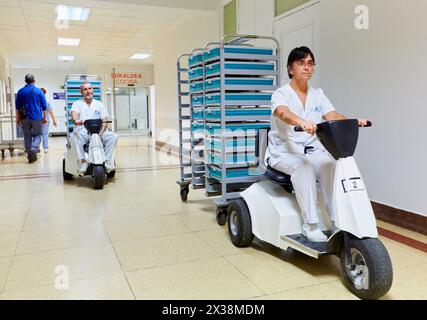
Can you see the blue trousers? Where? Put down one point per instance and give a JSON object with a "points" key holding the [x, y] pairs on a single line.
{"points": [[32, 130], [45, 135]]}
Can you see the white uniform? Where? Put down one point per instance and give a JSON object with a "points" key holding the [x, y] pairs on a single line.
{"points": [[285, 150], [80, 137]]}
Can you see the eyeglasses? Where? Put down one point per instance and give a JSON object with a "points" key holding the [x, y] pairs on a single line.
{"points": [[309, 64]]}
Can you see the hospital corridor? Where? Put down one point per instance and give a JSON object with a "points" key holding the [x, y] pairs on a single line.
{"points": [[183, 150]]}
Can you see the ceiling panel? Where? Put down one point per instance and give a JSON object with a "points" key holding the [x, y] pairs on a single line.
{"points": [[114, 31]]}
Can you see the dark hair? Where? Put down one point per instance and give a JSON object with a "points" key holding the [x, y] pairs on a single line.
{"points": [[44, 90], [299, 54], [29, 78]]}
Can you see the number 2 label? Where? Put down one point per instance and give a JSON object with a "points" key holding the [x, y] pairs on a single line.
{"points": [[353, 184]]}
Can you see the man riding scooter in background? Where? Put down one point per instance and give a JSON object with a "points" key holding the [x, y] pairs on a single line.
{"points": [[89, 108]]}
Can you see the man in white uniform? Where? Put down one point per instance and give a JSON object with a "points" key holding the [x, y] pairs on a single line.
{"points": [[89, 108], [300, 154]]}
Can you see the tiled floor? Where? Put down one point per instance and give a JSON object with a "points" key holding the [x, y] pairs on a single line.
{"points": [[135, 239]]}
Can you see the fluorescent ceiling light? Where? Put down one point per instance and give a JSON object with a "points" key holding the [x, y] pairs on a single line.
{"points": [[140, 56], [26, 67], [66, 58], [68, 42], [72, 13]]}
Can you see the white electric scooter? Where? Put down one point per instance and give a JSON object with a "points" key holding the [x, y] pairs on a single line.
{"points": [[269, 210], [94, 155]]}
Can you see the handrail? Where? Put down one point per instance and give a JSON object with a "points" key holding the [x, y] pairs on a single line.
{"points": [[248, 36]]}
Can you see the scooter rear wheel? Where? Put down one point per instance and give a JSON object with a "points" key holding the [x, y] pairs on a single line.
{"points": [[98, 176], [65, 174], [370, 274], [240, 224]]}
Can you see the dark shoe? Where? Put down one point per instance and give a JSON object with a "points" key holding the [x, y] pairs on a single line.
{"points": [[32, 156]]}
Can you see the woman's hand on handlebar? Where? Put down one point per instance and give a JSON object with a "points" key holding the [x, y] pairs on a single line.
{"points": [[308, 126], [364, 123]]}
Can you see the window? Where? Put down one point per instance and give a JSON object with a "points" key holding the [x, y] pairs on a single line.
{"points": [[283, 6], [230, 18]]}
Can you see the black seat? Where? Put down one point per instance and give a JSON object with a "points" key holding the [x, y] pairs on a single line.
{"points": [[279, 178]]}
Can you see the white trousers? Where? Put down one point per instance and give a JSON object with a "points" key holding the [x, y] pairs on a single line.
{"points": [[80, 137], [304, 169]]}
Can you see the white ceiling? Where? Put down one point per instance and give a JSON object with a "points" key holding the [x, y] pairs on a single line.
{"points": [[184, 4], [114, 31]]}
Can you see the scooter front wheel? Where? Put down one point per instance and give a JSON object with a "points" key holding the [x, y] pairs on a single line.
{"points": [[369, 274], [98, 176]]}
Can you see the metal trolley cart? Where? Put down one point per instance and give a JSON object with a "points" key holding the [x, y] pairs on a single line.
{"points": [[72, 94], [11, 136], [231, 83], [190, 109]]}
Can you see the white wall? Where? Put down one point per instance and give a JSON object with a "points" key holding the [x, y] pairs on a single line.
{"points": [[194, 32], [255, 17], [3, 76], [6, 127], [51, 80], [105, 72], [379, 74]]}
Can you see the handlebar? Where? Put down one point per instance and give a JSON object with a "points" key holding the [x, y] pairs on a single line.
{"points": [[82, 123], [299, 129]]}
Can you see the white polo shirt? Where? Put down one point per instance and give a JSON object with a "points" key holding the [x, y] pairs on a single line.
{"points": [[282, 138], [95, 110]]}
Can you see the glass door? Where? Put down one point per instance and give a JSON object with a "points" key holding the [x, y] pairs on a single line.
{"points": [[132, 110]]}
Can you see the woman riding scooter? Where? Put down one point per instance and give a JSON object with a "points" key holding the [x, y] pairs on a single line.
{"points": [[300, 154]]}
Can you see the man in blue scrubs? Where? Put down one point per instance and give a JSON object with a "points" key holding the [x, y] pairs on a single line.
{"points": [[31, 112]]}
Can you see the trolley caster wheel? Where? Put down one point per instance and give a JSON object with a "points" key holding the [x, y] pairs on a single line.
{"points": [[240, 224], [221, 216], [184, 193]]}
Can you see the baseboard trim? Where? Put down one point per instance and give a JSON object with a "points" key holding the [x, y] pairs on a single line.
{"points": [[168, 148], [398, 217]]}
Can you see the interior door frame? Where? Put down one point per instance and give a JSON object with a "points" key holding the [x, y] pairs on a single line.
{"points": [[295, 10], [278, 31]]}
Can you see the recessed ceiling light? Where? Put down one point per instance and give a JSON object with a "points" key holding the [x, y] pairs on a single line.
{"points": [[66, 58], [140, 56], [72, 13], [26, 67], [68, 42]]}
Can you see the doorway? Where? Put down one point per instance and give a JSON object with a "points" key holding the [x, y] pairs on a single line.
{"points": [[299, 27], [131, 110]]}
